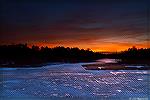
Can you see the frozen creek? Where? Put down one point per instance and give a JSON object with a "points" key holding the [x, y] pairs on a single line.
{"points": [[71, 81]]}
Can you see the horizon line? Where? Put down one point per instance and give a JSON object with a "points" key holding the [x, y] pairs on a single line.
{"points": [[100, 50]]}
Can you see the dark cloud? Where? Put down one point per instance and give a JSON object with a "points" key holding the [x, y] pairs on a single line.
{"points": [[72, 21]]}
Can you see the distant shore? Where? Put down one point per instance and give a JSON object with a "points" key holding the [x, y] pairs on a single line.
{"points": [[121, 65], [114, 67], [30, 65], [135, 61]]}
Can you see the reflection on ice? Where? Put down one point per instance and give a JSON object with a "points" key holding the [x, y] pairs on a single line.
{"points": [[64, 81], [118, 90], [140, 79], [128, 72], [108, 60]]}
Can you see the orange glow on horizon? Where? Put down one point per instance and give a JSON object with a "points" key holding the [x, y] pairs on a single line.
{"points": [[95, 48]]}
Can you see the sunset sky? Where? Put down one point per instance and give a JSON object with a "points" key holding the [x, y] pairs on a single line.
{"points": [[101, 25]]}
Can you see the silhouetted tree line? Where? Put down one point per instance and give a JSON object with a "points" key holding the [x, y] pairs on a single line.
{"points": [[132, 55], [21, 54]]}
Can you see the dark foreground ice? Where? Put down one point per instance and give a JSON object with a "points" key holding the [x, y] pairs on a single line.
{"points": [[71, 81]]}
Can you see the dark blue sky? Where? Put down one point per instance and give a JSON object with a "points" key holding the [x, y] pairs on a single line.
{"points": [[96, 24]]}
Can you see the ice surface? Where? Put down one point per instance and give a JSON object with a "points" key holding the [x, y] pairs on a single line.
{"points": [[73, 82]]}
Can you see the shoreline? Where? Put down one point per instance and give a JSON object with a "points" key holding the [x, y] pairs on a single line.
{"points": [[116, 66], [34, 65], [120, 65]]}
